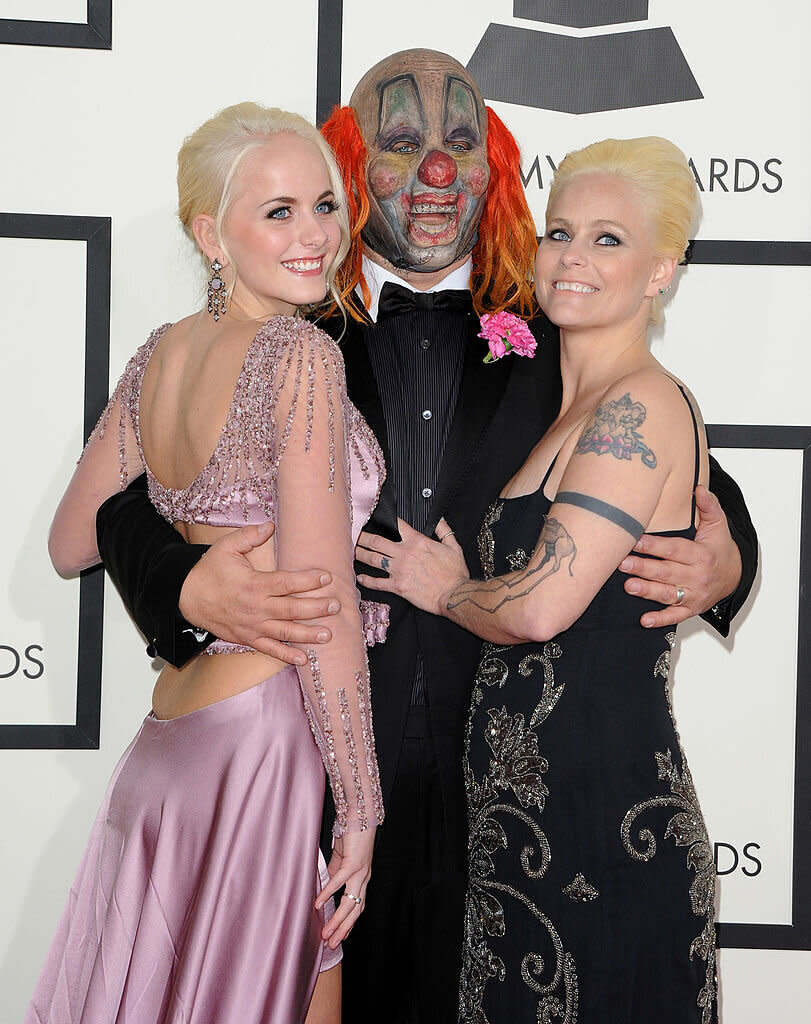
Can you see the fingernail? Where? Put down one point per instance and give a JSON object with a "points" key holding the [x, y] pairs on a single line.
{"points": [[646, 622], [325, 578], [333, 607], [625, 565], [322, 636], [632, 587]]}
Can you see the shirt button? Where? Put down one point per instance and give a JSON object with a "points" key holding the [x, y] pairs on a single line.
{"points": [[425, 343], [427, 414], [427, 492]]}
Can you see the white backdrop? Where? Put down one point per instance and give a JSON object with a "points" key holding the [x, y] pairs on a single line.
{"points": [[94, 133]]}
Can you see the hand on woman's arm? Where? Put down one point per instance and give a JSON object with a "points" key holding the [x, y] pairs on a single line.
{"points": [[168, 586], [224, 594], [705, 570]]}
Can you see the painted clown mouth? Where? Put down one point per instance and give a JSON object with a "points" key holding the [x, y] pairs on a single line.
{"points": [[433, 219]]}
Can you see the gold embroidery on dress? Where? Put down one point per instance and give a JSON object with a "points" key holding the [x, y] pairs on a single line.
{"points": [[518, 560], [686, 828], [487, 546], [580, 890], [516, 764]]}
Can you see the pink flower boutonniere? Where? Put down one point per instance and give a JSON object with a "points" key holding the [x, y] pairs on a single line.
{"points": [[506, 332]]}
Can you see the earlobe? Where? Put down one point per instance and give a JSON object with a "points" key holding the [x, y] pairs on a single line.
{"points": [[662, 276]]}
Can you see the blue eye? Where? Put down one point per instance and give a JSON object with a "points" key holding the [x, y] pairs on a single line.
{"points": [[608, 239], [280, 213], [558, 235], [326, 206]]}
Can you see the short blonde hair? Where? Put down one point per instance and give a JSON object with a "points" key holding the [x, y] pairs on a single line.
{"points": [[208, 160], [659, 173]]}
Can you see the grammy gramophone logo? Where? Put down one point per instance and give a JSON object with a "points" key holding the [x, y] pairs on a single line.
{"points": [[582, 74]]}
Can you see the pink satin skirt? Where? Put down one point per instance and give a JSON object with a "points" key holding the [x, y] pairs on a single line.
{"points": [[193, 903]]}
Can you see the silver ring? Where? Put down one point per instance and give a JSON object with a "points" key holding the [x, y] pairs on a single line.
{"points": [[679, 595], [355, 899], [448, 534]]}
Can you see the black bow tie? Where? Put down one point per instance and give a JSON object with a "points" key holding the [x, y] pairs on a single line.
{"points": [[394, 300]]}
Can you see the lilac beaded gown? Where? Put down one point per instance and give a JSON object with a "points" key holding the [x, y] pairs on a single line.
{"points": [[193, 903]]}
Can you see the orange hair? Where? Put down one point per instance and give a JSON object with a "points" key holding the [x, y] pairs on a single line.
{"points": [[342, 132], [504, 254], [505, 250]]}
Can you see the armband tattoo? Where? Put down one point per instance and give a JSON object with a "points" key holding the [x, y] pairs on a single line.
{"points": [[602, 509]]}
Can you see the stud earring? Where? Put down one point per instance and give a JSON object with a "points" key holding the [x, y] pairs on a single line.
{"points": [[217, 294]]}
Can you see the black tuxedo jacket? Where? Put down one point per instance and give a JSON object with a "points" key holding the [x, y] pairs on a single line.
{"points": [[502, 411]]}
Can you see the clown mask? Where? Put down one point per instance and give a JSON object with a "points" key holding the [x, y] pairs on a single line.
{"points": [[425, 128]]}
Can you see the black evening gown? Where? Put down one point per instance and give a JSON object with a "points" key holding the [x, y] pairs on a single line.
{"points": [[591, 876]]}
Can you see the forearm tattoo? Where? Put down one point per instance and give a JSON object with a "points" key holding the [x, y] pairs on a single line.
{"points": [[614, 429], [554, 546], [602, 509]]}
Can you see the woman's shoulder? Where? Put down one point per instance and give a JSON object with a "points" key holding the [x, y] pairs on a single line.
{"points": [[293, 342], [647, 404], [653, 388]]}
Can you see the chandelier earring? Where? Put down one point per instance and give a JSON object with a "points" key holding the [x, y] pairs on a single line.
{"points": [[217, 292]]}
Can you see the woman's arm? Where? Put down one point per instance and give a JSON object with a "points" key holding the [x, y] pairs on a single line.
{"points": [[608, 496], [308, 407], [109, 460]]}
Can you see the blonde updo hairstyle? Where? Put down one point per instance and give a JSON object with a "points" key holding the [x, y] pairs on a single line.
{"points": [[659, 173], [209, 158]]}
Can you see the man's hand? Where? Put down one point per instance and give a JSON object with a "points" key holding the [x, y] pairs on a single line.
{"points": [[704, 571], [224, 594]]}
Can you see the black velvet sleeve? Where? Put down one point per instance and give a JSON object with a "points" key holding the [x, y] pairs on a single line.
{"points": [[148, 561], [743, 533]]}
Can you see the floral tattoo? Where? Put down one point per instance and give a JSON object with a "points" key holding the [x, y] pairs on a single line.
{"points": [[615, 429]]}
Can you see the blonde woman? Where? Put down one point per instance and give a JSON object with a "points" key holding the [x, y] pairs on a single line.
{"points": [[591, 879], [201, 898]]}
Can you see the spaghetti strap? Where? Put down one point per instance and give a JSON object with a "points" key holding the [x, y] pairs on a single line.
{"points": [[549, 471], [697, 446]]}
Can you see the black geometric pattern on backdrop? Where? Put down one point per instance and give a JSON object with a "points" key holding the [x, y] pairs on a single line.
{"points": [[796, 935], [579, 75], [581, 13], [96, 233], [94, 34], [328, 58]]}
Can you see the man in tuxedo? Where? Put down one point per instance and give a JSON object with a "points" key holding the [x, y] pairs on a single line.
{"points": [[448, 235]]}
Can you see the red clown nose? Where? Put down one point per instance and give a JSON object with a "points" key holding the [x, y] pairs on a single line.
{"points": [[437, 170]]}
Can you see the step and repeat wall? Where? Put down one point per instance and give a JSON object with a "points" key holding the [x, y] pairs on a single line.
{"points": [[99, 96]]}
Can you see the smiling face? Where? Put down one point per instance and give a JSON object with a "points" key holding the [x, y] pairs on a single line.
{"points": [[425, 128], [280, 229], [596, 265]]}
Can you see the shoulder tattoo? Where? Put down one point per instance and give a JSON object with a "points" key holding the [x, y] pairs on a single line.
{"points": [[614, 428]]}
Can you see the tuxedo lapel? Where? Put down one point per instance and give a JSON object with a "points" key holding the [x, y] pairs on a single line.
{"points": [[360, 381], [364, 393], [481, 391]]}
